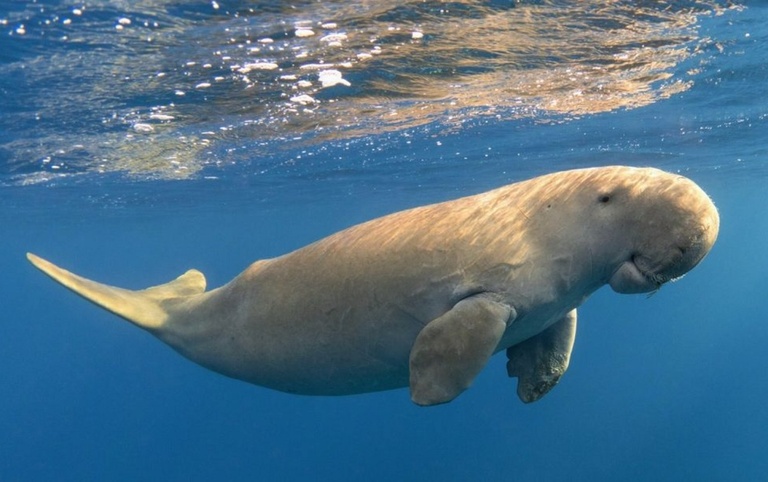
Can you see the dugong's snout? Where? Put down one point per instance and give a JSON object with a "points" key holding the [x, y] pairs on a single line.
{"points": [[675, 235]]}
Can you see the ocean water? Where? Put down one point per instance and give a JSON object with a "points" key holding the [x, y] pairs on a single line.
{"points": [[140, 139]]}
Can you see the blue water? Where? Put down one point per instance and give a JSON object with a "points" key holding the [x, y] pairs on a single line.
{"points": [[107, 169]]}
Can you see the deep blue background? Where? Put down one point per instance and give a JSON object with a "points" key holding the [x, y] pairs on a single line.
{"points": [[670, 387]]}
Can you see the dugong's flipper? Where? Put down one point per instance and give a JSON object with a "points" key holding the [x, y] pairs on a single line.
{"points": [[146, 308], [452, 349], [540, 361]]}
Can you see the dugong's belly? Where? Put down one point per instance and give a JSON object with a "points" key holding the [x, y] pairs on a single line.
{"points": [[337, 351], [331, 353]]}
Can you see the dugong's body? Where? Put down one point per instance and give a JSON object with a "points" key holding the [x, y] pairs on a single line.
{"points": [[424, 297]]}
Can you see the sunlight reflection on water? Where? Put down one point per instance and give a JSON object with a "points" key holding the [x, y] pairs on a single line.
{"points": [[151, 88]]}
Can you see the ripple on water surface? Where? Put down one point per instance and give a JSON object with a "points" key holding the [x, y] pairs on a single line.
{"points": [[157, 89]]}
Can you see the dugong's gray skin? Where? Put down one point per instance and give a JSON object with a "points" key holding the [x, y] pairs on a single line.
{"points": [[424, 297]]}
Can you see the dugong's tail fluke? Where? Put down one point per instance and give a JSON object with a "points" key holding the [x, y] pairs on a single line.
{"points": [[145, 308]]}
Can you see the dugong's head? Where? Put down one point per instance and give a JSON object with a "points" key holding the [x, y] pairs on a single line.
{"points": [[655, 226], [639, 227]]}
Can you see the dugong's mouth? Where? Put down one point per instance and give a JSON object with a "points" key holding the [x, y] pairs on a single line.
{"points": [[630, 277]]}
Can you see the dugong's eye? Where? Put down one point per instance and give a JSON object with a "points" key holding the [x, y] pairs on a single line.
{"points": [[604, 199]]}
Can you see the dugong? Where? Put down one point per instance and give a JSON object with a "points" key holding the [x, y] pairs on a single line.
{"points": [[422, 298]]}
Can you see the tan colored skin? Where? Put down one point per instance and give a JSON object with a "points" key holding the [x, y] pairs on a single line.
{"points": [[342, 315]]}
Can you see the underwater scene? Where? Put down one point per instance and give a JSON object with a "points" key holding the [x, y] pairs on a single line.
{"points": [[143, 139]]}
